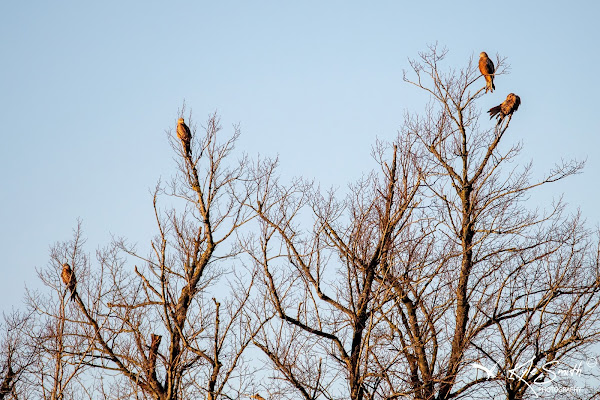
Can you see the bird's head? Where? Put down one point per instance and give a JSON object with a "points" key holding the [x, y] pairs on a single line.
{"points": [[483, 54], [180, 121]]}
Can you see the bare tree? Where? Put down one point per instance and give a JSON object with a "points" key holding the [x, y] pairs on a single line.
{"points": [[428, 269], [324, 283], [413, 282], [545, 317], [16, 355], [507, 270], [172, 326], [57, 335]]}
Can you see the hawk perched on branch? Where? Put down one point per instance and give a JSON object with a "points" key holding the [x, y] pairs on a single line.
{"points": [[486, 66], [508, 106], [185, 135], [68, 278]]}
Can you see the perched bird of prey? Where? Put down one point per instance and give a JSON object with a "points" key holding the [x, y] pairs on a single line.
{"points": [[68, 278], [257, 397], [184, 134], [486, 66], [508, 106]]}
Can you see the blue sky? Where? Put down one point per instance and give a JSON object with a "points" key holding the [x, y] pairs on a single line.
{"points": [[87, 91]]}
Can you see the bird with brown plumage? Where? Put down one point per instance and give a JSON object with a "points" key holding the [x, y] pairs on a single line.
{"points": [[487, 69], [508, 106], [68, 278], [185, 135]]}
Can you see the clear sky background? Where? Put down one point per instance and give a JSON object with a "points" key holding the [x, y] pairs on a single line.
{"points": [[87, 91]]}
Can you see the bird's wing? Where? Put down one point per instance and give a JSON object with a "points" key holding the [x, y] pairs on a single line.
{"points": [[517, 102], [66, 274], [486, 66], [490, 66], [183, 131]]}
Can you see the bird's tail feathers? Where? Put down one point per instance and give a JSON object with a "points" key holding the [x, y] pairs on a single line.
{"points": [[187, 148], [489, 83], [494, 111]]}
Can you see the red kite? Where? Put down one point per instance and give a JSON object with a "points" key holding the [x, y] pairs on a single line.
{"points": [[508, 106], [68, 278], [184, 134], [486, 66]]}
